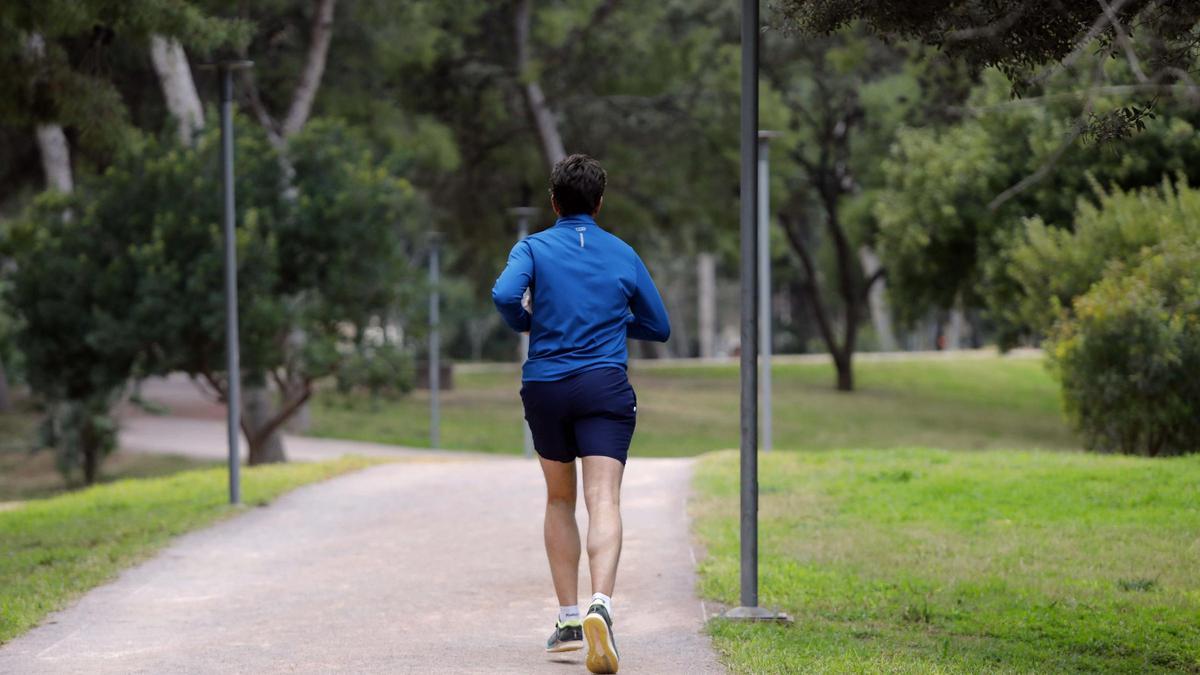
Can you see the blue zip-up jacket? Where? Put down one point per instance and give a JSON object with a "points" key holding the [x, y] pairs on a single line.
{"points": [[590, 292]]}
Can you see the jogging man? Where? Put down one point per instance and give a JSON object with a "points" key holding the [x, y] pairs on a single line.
{"points": [[588, 292]]}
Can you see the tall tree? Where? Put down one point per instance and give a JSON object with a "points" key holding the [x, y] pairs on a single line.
{"points": [[839, 98], [944, 237], [263, 416]]}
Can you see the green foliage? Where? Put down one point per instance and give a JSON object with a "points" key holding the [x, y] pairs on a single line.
{"points": [[382, 371], [82, 433], [1052, 266], [1016, 35], [354, 237], [68, 82], [131, 281], [952, 209], [1129, 355]]}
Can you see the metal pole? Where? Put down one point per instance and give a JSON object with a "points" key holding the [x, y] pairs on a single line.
{"points": [[749, 609], [523, 213], [232, 366], [435, 366], [749, 250], [764, 287]]}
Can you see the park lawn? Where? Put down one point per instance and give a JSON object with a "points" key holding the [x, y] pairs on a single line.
{"points": [[28, 475], [920, 560], [54, 550], [975, 403]]}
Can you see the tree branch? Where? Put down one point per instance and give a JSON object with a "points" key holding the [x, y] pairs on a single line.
{"points": [[879, 275], [792, 229], [285, 412], [314, 67], [535, 100], [1077, 130], [250, 95]]}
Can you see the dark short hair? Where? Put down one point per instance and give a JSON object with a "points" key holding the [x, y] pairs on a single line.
{"points": [[577, 183]]}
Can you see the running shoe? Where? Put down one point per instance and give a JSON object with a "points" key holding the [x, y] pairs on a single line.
{"points": [[567, 637], [602, 647]]}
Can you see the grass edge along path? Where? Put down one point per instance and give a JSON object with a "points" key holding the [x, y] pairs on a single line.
{"points": [[54, 550], [930, 561]]}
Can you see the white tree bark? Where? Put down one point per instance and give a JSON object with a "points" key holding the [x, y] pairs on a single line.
{"points": [[52, 142], [544, 120], [955, 326], [179, 90], [881, 317], [706, 283], [314, 68], [56, 157]]}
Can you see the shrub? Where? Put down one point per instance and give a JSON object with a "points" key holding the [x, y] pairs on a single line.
{"points": [[1129, 355], [1052, 266], [130, 280]]}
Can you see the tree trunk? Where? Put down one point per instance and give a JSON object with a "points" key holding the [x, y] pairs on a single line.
{"points": [[51, 140], [5, 398], [843, 362], [706, 282], [56, 157], [543, 118], [881, 318], [179, 90], [90, 445], [258, 411], [314, 68], [955, 327]]}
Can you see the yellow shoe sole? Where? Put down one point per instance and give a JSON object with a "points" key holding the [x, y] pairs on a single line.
{"points": [[602, 653]]}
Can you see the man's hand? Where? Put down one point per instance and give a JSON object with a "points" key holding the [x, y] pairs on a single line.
{"points": [[527, 301]]}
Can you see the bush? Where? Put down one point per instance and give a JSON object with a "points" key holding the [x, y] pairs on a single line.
{"points": [[1129, 355], [383, 371], [1052, 266], [124, 277]]}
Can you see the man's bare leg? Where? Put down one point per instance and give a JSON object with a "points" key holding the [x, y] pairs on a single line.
{"points": [[560, 530], [602, 494]]}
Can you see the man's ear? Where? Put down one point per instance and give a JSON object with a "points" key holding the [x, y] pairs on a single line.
{"points": [[599, 205], [554, 205]]}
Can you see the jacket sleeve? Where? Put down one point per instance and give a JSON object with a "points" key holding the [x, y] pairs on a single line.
{"points": [[650, 320], [510, 286]]}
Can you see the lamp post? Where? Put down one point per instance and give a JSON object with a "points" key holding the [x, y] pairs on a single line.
{"points": [[233, 397], [764, 287], [435, 366], [523, 214], [749, 609]]}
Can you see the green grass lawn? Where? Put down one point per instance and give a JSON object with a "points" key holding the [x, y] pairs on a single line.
{"points": [[968, 403], [937, 561], [53, 550]]}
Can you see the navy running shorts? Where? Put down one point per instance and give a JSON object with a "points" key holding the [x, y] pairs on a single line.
{"points": [[585, 414]]}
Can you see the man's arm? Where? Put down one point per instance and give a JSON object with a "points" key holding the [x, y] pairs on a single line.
{"points": [[511, 285], [650, 321]]}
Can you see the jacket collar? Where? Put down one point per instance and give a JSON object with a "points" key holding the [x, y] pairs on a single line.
{"points": [[578, 220]]}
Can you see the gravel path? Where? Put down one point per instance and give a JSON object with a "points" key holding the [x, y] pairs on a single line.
{"points": [[412, 567]]}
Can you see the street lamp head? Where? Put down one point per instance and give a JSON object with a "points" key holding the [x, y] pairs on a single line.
{"points": [[766, 135], [524, 211]]}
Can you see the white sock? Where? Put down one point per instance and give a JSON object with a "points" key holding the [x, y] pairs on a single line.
{"points": [[568, 613], [604, 600]]}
